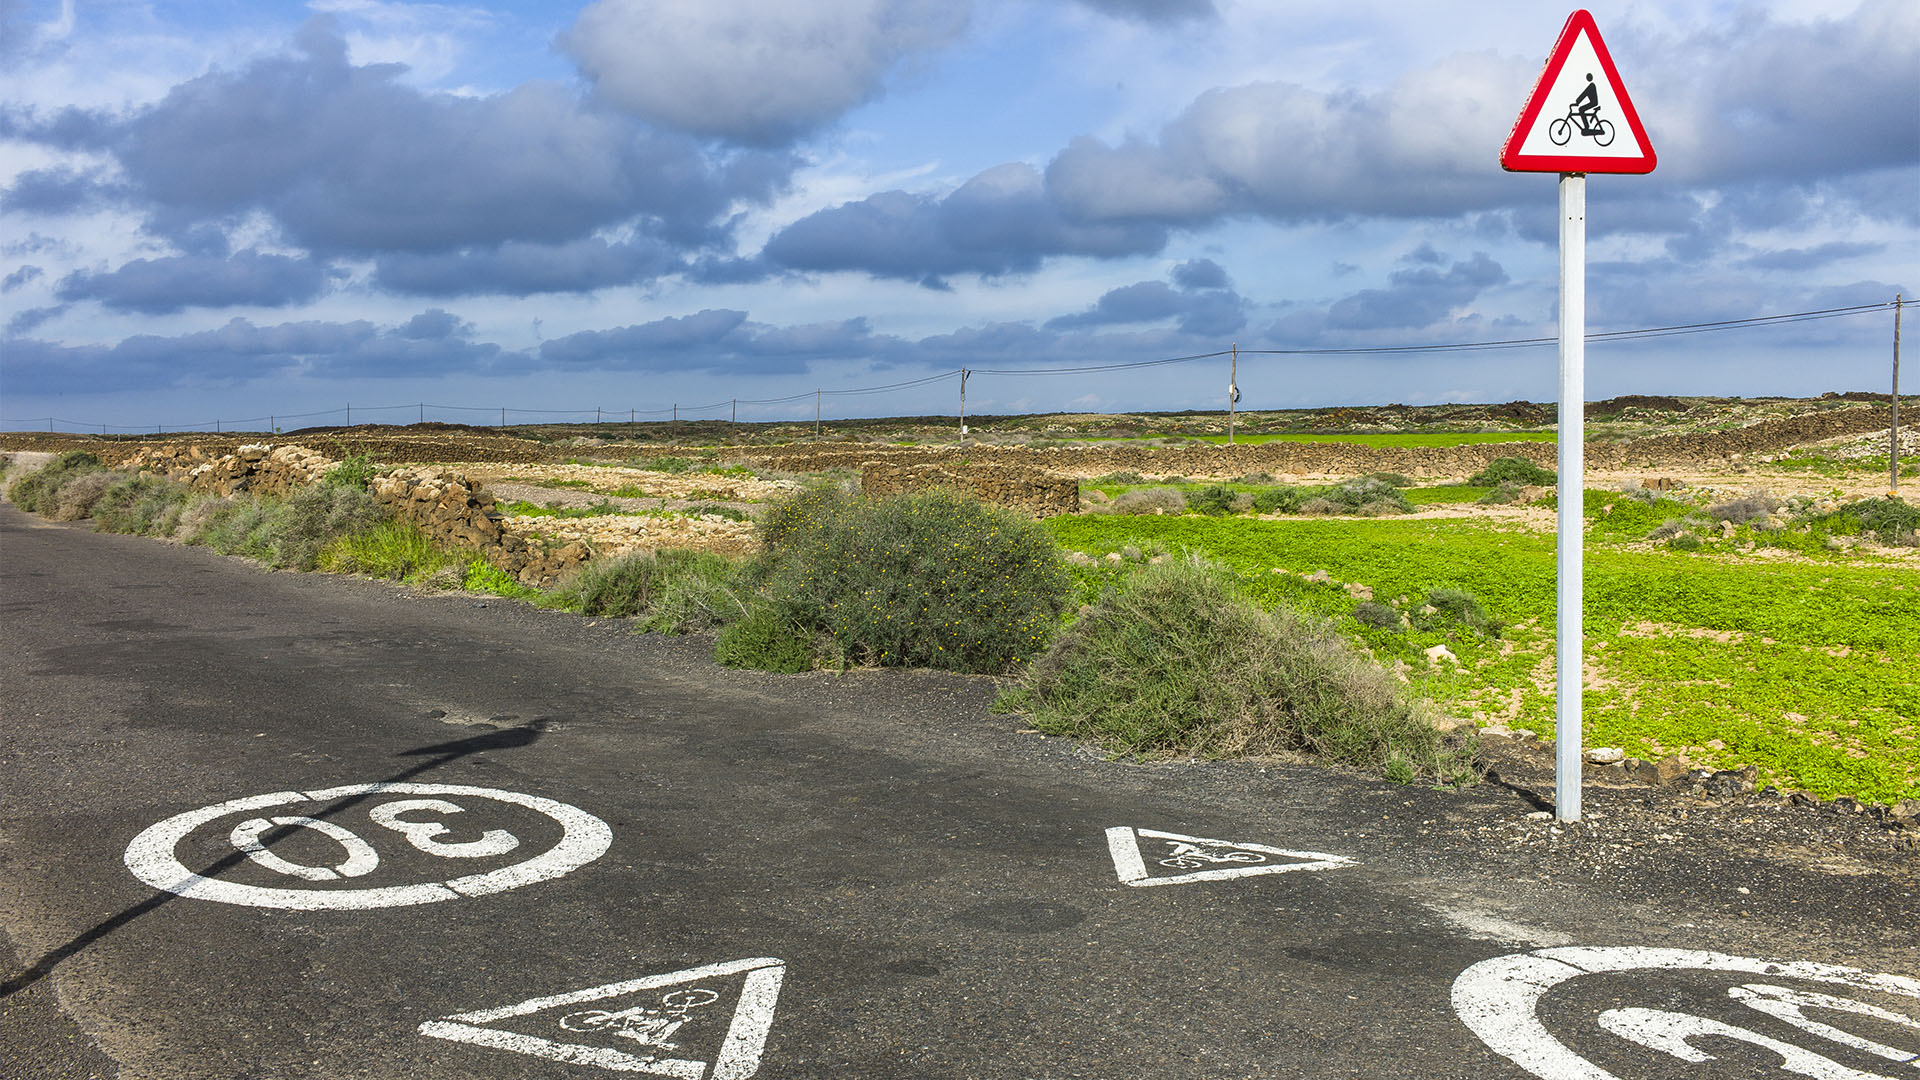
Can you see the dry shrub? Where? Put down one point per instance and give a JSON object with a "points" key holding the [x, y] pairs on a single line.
{"points": [[76, 497], [1159, 500], [1179, 662], [1753, 506]]}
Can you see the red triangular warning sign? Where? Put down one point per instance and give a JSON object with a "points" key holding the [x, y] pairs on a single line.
{"points": [[1578, 118]]}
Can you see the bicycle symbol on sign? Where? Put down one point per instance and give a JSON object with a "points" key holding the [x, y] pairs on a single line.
{"points": [[644, 1024], [1185, 856], [1583, 115]]}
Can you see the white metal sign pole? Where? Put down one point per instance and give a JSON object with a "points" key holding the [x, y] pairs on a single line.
{"points": [[1572, 462]]}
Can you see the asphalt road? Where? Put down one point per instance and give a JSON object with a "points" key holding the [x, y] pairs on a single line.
{"points": [[605, 855]]}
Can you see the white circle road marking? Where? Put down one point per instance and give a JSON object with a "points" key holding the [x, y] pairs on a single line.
{"points": [[1496, 998], [151, 855]]}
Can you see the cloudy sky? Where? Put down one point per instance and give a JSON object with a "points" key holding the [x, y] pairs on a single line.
{"points": [[241, 208]]}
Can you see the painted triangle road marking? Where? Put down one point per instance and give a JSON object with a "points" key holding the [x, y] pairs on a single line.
{"points": [[645, 1025], [1195, 858], [1578, 118]]}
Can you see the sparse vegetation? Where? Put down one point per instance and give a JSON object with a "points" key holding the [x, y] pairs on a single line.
{"points": [[393, 550], [1512, 470], [354, 471]]}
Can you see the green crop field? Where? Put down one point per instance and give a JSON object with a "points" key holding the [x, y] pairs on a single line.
{"points": [[1804, 665]]}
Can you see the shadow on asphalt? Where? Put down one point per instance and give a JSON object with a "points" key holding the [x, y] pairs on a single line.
{"points": [[1526, 795], [438, 754]]}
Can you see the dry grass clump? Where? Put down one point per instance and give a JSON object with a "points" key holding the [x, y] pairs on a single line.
{"points": [[1157, 500], [75, 498], [1178, 662], [1753, 506]]}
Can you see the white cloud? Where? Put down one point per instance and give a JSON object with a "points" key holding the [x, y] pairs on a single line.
{"points": [[761, 72]]}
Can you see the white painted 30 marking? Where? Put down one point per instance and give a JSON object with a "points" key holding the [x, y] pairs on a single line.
{"points": [[1497, 999], [653, 1021], [152, 856], [1200, 859]]}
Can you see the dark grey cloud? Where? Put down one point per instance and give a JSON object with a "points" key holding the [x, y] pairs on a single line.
{"points": [[61, 190], [21, 277], [757, 72], [1419, 296], [1000, 222], [164, 285], [70, 128], [434, 324], [349, 160], [1200, 274], [1795, 101], [26, 322], [1147, 301], [716, 339], [241, 351], [518, 268], [1202, 310]]}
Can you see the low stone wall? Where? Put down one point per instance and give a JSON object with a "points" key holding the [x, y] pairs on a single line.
{"points": [[252, 467], [1040, 493], [1740, 443]]}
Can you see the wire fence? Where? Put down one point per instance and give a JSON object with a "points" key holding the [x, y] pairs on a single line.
{"points": [[505, 416]]}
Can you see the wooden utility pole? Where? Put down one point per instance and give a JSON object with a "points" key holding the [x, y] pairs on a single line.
{"points": [[1893, 437], [963, 403], [816, 414], [1233, 390]]}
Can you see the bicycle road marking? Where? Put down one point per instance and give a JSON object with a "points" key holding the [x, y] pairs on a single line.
{"points": [[1497, 999], [645, 1025], [152, 858], [1204, 859]]}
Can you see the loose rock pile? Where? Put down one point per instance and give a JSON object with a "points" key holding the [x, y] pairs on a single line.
{"points": [[455, 511], [253, 467]]}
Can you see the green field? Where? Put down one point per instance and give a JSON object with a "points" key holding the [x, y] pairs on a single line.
{"points": [[1394, 438], [1805, 666]]}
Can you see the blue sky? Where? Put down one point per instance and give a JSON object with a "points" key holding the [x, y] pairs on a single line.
{"points": [[228, 209]]}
